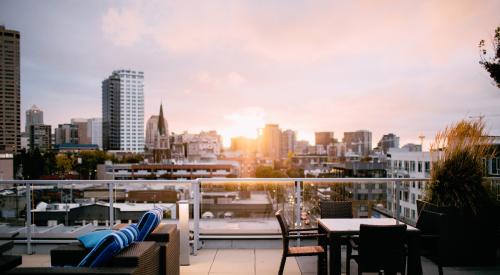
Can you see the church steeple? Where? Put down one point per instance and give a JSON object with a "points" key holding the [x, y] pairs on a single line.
{"points": [[161, 122]]}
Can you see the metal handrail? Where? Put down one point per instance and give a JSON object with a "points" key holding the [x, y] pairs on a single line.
{"points": [[195, 185]]}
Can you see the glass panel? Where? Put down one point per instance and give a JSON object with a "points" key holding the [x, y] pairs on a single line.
{"points": [[245, 207]]}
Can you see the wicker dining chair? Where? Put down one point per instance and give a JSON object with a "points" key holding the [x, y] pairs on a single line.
{"points": [[336, 209], [290, 234], [339, 210], [381, 247]]}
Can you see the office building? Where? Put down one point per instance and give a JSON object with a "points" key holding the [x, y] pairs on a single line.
{"points": [[301, 147], [82, 126], [288, 140], [324, 138], [94, 131], [407, 164], [123, 111], [66, 133], [40, 137], [270, 142], [388, 141], [10, 91], [34, 116], [358, 142]]}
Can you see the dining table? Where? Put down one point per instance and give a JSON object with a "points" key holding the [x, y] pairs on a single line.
{"points": [[336, 229]]}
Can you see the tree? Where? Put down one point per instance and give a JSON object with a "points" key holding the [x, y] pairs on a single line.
{"points": [[64, 164], [491, 64]]}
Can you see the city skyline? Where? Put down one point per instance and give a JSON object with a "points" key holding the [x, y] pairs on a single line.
{"points": [[235, 68]]}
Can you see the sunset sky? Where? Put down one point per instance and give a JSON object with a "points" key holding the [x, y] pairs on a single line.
{"points": [[407, 67]]}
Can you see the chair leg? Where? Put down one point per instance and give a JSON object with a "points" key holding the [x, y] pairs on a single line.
{"points": [[440, 269], [348, 259], [282, 264], [322, 264]]}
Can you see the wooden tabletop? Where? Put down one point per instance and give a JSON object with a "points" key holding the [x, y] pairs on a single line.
{"points": [[351, 226]]}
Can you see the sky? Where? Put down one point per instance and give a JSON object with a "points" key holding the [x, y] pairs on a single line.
{"points": [[406, 67]]}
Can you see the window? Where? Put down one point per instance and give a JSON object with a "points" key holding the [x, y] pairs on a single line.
{"points": [[413, 198], [420, 166]]}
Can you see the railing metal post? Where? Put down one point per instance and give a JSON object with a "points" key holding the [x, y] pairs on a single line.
{"points": [[298, 201], [28, 218], [398, 199], [111, 207], [196, 214]]}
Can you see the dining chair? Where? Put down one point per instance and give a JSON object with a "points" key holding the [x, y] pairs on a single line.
{"points": [[335, 209], [430, 225], [381, 247], [291, 234], [339, 210]]}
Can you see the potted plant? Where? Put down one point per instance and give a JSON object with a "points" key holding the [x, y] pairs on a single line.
{"points": [[458, 190]]}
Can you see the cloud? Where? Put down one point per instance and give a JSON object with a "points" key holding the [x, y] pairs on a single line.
{"points": [[123, 27]]}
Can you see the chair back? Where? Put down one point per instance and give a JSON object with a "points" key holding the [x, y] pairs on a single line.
{"points": [[284, 228], [335, 209], [430, 223], [382, 247]]}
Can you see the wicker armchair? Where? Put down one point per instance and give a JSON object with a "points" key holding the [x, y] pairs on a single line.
{"points": [[165, 235], [141, 258]]}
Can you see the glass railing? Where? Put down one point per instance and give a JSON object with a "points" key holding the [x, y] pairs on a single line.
{"points": [[65, 209]]}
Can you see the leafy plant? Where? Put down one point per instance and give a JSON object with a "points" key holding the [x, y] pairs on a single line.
{"points": [[458, 170], [492, 64]]}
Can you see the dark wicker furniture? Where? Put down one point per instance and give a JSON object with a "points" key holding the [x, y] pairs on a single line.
{"points": [[381, 247], [165, 235], [431, 225], [8, 262], [140, 258], [335, 209], [288, 251]]}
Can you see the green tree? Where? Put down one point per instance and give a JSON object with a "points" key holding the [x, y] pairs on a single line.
{"points": [[491, 64], [64, 164], [269, 172]]}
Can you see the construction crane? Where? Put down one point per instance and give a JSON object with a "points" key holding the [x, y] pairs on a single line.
{"points": [[480, 117]]}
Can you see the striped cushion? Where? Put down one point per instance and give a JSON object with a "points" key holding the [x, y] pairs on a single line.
{"points": [[148, 222], [130, 232], [109, 246]]}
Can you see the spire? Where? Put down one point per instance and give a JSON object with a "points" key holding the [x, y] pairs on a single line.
{"points": [[161, 122]]}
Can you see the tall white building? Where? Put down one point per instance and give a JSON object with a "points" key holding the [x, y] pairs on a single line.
{"points": [[94, 131], [123, 111], [404, 163]]}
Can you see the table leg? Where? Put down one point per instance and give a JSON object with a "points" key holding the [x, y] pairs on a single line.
{"points": [[335, 256], [414, 266]]}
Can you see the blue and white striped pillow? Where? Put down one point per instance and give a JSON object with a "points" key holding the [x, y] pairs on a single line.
{"points": [[148, 222], [109, 246]]}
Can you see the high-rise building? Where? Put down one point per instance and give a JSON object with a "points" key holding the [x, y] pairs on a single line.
{"points": [[359, 142], [40, 137], [388, 141], [66, 133], [34, 116], [94, 131], [123, 111], [324, 138], [288, 139], [151, 128], [270, 142], [301, 147], [10, 91], [82, 125]]}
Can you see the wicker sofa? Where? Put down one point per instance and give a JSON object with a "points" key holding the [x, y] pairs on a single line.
{"points": [[166, 236], [137, 259]]}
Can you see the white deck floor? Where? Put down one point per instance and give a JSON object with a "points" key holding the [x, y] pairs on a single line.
{"points": [[264, 262]]}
